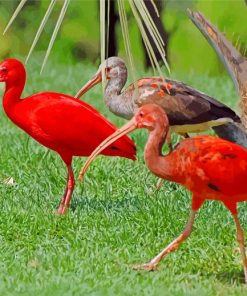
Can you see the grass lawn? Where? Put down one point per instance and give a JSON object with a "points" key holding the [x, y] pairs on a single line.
{"points": [[116, 219]]}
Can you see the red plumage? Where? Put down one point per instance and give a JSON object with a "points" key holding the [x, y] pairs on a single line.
{"points": [[62, 123], [67, 125], [210, 167]]}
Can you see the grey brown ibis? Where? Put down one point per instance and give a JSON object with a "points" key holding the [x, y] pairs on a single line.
{"points": [[188, 109]]}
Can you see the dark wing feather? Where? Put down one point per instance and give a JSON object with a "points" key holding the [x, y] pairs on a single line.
{"points": [[182, 103], [201, 106]]}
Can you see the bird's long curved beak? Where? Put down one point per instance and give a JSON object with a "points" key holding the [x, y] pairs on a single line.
{"points": [[127, 128], [97, 78]]}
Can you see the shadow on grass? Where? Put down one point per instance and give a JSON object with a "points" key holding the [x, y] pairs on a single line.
{"points": [[94, 204], [230, 277]]}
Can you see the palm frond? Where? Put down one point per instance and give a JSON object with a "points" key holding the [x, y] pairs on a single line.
{"points": [[107, 27], [41, 27], [143, 33], [153, 31], [13, 17], [140, 13], [102, 38], [155, 8], [146, 40], [54, 34], [126, 36], [147, 17]]}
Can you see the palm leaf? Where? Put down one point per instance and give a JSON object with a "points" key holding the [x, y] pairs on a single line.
{"points": [[140, 13], [107, 27], [155, 8], [153, 31], [41, 28], [126, 36], [13, 17], [150, 50], [102, 38], [54, 34]]}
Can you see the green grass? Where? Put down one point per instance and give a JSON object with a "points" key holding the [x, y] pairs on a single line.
{"points": [[115, 219]]}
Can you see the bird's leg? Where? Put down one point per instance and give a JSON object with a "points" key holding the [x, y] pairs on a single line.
{"points": [[240, 234], [240, 239], [59, 210], [70, 187], [153, 264]]}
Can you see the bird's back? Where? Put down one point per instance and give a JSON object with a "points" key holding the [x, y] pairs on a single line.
{"points": [[68, 125], [214, 165], [183, 104]]}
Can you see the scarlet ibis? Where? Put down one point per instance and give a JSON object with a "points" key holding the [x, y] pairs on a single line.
{"points": [[60, 122], [234, 61], [210, 167], [188, 110]]}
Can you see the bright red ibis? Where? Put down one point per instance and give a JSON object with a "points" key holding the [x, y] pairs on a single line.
{"points": [[210, 167], [60, 122]]}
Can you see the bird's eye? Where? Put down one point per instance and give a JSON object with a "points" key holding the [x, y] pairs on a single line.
{"points": [[4, 70], [108, 69], [141, 114]]}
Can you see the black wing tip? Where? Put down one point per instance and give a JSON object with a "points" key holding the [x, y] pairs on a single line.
{"points": [[213, 187]]}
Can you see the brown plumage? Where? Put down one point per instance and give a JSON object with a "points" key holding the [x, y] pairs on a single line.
{"points": [[188, 109]]}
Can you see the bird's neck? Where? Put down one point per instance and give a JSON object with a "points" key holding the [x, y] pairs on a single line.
{"points": [[12, 94], [160, 165], [119, 103]]}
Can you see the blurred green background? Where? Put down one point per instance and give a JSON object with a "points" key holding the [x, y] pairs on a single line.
{"points": [[78, 37]]}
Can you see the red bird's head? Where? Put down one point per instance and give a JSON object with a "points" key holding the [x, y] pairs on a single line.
{"points": [[150, 116], [12, 71], [113, 67]]}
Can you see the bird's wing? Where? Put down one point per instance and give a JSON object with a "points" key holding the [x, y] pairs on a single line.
{"points": [[223, 163], [182, 103], [68, 123]]}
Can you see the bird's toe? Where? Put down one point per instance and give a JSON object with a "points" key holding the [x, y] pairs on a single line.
{"points": [[61, 210], [146, 266]]}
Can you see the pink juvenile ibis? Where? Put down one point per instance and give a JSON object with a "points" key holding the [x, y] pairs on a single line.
{"points": [[188, 110], [210, 167], [60, 122]]}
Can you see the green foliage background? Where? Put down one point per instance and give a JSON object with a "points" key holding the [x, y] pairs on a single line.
{"points": [[78, 38], [113, 222]]}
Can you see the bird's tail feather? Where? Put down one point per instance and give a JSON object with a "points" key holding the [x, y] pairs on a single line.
{"points": [[123, 147], [233, 132]]}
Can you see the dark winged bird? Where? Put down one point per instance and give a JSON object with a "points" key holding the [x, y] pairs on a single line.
{"points": [[188, 109]]}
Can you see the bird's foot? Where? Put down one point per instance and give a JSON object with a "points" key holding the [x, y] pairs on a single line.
{"points": [[147, 266], [62, 210]]}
